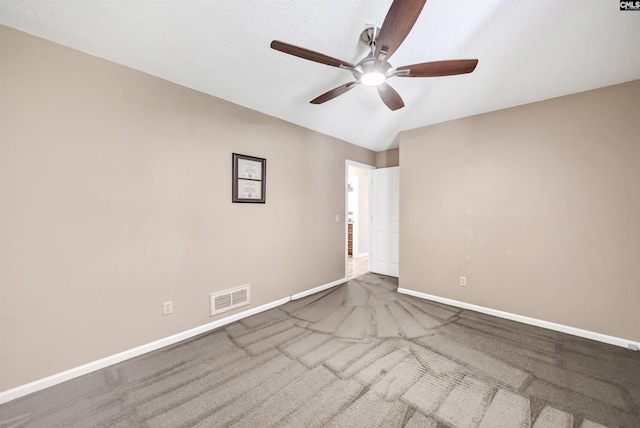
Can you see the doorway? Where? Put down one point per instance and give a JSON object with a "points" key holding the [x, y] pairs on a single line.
{"points": [[358, 218]]}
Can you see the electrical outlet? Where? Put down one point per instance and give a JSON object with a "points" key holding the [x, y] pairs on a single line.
{"points": [[463, 281], [167, 307]]}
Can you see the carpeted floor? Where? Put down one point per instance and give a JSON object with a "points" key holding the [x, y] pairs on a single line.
{"points": [[360, 355]]}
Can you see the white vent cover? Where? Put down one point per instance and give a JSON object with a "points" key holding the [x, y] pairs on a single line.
{"points": [[230, 299]]}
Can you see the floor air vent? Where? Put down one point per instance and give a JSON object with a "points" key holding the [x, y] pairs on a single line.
{"points": [[230, 299]]}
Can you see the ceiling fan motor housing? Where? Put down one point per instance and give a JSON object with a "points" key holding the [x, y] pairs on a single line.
{"points": [[370, 71]]}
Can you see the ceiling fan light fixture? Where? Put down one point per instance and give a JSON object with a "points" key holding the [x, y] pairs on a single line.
{"points": [[371, 72], [373, 78]]}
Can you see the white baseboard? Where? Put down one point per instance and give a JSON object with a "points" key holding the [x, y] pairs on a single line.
{"points": [[318, 289], [612, 340], [361, 255], [57, 378]]}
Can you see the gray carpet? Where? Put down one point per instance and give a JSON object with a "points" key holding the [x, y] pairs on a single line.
{"points": [[360, 355]]}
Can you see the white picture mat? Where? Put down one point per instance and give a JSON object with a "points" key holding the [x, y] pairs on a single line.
{"points": [[249, 169], [249, 189]]}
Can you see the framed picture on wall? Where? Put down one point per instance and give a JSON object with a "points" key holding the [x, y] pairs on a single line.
{"points": [[249, 179]]}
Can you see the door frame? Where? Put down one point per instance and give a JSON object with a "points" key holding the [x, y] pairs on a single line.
{"points": [[349, 163]]}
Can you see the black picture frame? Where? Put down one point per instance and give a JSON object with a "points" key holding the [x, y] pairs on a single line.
{"points": [[249, 179]]}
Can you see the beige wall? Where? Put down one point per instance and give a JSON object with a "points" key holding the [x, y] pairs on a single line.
{"points": [[538, 206], [116, 196], [388, 158]]}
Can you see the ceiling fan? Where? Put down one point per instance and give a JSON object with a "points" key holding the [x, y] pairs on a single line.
{"points": [[374, 69]]}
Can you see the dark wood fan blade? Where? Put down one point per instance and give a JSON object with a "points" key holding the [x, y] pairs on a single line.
{"points": [[397, 25], [438, 68], [390, 97], [334, 93], [310, 55]]}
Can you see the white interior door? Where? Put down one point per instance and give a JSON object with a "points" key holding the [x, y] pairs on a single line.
{"points": [[384, 255]]}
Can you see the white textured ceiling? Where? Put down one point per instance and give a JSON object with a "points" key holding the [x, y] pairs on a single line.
{"points": [[528, 50]]}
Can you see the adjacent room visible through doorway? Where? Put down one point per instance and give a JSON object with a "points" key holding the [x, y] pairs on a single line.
{"points": [[358, 218], [357, 267]]}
